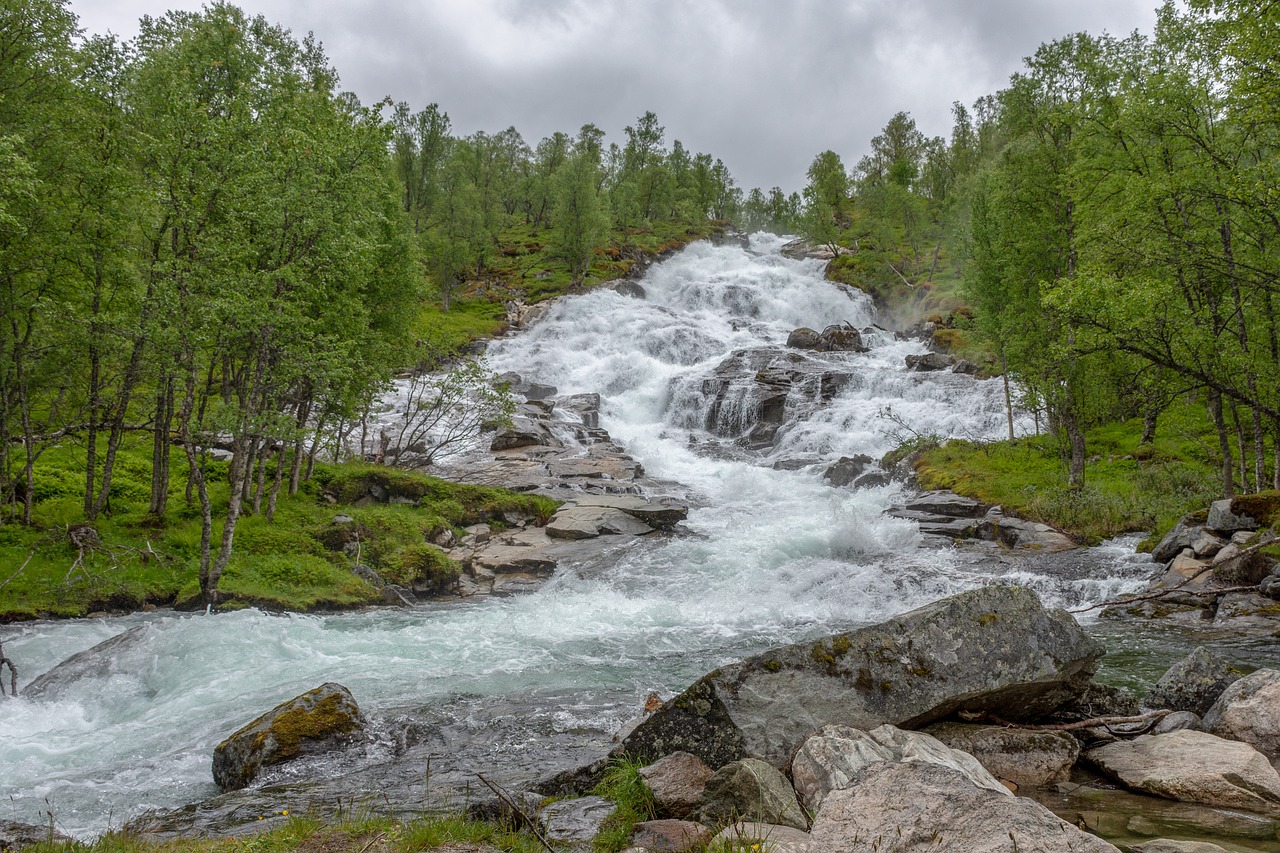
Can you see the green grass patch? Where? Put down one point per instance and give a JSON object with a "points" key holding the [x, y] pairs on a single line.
{"points": [[624, 785], [1127, 488]]}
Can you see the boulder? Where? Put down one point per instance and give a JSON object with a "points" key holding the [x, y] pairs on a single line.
{"points": [[658, 513], [840, 338], [320, 720], [993, 649], [940, 502], [929, 361], [763, 838], [577, 821], [1026, 757], [1181, 536], [966, 368], [1193, 767], [750, 787], [1249, 711], [670, 836], [1226, 517], [119, 654], [588, 522], [847, 469], [925, 808], [523, 432], [804, 338], [835, 754], [1206, 545], [1169, 845], [629, 288], [677, 783], [1193, 684], [1177, 721]]}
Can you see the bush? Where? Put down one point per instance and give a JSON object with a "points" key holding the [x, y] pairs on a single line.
{"points": [[422, 566]]}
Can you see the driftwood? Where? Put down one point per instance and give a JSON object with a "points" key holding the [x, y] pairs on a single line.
{"points": [[519, 812], [1120, 602], [1093, 723], [13, 673]]}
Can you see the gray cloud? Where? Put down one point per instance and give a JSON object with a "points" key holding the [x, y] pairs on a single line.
{"points": [[762, 84]]}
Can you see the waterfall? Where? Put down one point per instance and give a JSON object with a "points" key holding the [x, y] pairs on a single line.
{"points": [[771, 554]]}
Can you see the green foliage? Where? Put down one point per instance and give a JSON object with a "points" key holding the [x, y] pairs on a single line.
{"points": [[422, 565], [623, 784]]}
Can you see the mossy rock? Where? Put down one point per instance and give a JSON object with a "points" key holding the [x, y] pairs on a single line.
{"points": [[319, 720]]}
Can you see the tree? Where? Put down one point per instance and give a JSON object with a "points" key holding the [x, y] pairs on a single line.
{"points": [[582, 220]]}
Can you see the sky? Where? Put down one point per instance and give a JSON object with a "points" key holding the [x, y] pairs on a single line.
{"points": [[765, 85]]}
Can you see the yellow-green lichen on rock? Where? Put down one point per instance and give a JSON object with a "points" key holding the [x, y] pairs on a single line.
{"points": [[321, 719]]}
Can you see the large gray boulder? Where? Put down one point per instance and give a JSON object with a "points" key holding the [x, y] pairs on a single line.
{"points": [[926, 808], [1193, 767], [993, 649], [123, 653], [17, 836], [1249, 711], [834, 755], [1193, 683], [319, 720], [1181, 536], [752, 788], [1025, 757]]}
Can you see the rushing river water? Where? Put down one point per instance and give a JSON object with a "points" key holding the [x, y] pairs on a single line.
{"points": [[771, 556]]}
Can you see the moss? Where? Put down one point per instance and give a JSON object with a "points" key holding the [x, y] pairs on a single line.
{"points": [[988, 619], [841, 644], [1263, 507], [772, 666], [324, 720], [820, 654]]}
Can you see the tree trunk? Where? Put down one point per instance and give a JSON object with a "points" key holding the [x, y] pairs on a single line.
{"points": [[1149, 419], [276, 483], [1240, 447], [1075, 440], [1224, 443], [160, 449], [264, 446], [1008, 398]]}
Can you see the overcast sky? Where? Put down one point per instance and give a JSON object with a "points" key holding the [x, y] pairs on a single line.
{"points": [[762, 84]]}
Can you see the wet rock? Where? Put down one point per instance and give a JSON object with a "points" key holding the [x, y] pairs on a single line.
{"points": [[320, 720], [940, 502], [1244, 611], [1193, 767], [1194, 683], [929, 361], [670, 836], [658, 513], [629, 288], [992, 649], [677, 783], [1249, 711], [1025, 757], [1225, 516], [1169, 845], [834, 755], [764, 838], [575, 822], [804, 338], [840, 338], [585, 406], [750, 787], [588, 522], [847, 469], [115, 655], [398, 596], [16, 836], [873, 479], [523, 432], [966, 368], [921, 807], [536, 392], [1181, 536], [1013, 532]]}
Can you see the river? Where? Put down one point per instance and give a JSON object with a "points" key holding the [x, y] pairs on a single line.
{"points": [[771, 555]]}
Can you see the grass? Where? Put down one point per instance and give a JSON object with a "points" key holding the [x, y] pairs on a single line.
{"points": [[299, 561], [1127, 487], [624, 785]]}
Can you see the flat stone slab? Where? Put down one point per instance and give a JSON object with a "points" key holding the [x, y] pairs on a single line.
{"points": [[941, 502], [588, 522], [1193, 767]]}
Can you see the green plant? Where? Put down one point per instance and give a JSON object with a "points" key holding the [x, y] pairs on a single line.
{"points": [[623, 784]]}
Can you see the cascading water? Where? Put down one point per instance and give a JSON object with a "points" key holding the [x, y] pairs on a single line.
{"points": [[772, 555]]}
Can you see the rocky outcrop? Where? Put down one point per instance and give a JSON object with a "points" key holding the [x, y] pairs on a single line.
{"points": [[926, 807], [929, 361], [1249, 711], [1026, 757], [750, 787], [319, 720], [834, 755], [1194, 683], [945, 516], [677, 783], [847, 469], [993, 649], [1194, 767], [117, 654]]}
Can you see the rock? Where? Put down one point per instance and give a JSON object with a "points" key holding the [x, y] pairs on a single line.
{"points": [[119, 654], [398, 596], [343, 519], [929, 361], [531, 314], [873, 479], [16, 836], [1025, 757], [804, 338], [585, 406], [1015, 532], [1232, 567], [1177, 721], [1193, 684], [966, 368], [677, 783], [1193, 767], [840, 338], [576, 821], [588, 522], [536, 392], [658, 513], [940, 503], [847, 469], [523, 432], [1098, 700], [834, 755], [916, 808], [629, 288], [319, 720], [1249, 711], [1245, 611], [750, 787], [1169, 845], [1226, 517], [991, 649], [670, 836], [1181, 536], [764, 838], [1206, 545]]}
